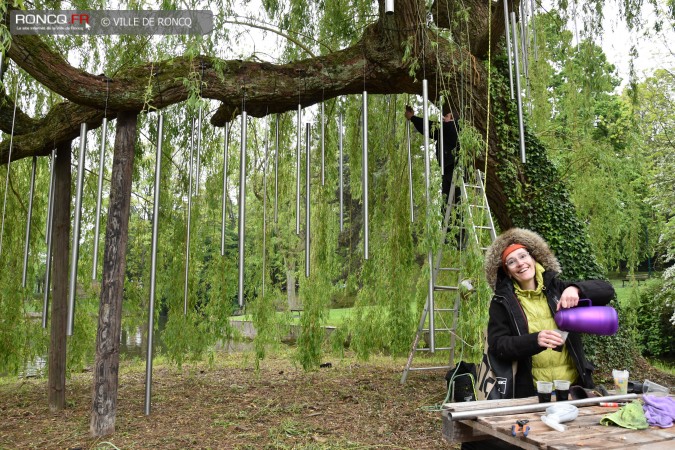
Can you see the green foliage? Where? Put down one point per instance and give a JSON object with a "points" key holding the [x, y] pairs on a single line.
{"points": [[656, 334]]}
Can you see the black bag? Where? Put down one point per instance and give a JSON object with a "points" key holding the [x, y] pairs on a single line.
{"points": [[461, 381], [496, 377]]}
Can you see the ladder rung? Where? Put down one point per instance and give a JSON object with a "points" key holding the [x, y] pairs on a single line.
{"points": [[444, 309], [479, 206], [429, 368], [450, 269], [426, 349], [438, 287], [476, 186], [483, 227]]}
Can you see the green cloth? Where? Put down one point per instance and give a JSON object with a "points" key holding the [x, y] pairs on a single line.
{"points": [[630, 416]]}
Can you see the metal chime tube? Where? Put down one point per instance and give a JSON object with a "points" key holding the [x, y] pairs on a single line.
{"points": [[199, 150], [48, 268], [341, 164], [523, 37], [9, 161], [276, 170], [509, 50], [72, 288], [242, 208], [427, 176], [101, 165], [189, 220], [323, 146], [533, 11], [28, 220], [514, 31], [308, 192], [153, 266], [364, 175], [297, 172], [224, 215], [410, 179], [264, 248], [441, 140]]}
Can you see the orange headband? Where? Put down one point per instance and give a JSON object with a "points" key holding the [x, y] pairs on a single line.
{"points": [[510, 249]]}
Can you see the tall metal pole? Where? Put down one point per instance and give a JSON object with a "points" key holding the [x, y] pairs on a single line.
{"points": [[264, 248], [153, 266], [308, 192], [410, 179], [364, 175], [50, 217], [9, 162], [509, 50], [341, 164], [199, 149], [533, 11], [224, 213], [72, 288], [297, 172], [514, 31], [441, 139], [323, 145], [28, 220], [101, 166], [242, 208], [189, 221], [427, 176], [276, 170]]}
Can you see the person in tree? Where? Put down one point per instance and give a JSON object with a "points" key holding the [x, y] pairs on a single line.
{"points": [[450, 143], [524, 274]]}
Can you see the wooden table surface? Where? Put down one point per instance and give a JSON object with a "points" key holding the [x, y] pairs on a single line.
{"points": [[585, 432]]}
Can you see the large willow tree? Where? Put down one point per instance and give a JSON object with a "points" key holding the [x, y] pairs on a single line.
{"points": [[332, 53]]}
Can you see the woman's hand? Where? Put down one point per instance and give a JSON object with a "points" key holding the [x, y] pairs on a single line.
{"points": [[569, 298], [549, 339]]}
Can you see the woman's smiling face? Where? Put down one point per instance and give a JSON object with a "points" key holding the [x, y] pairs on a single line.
{"points": [[521, 267]]}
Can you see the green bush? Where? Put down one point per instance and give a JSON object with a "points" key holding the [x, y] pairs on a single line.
{"points": [[656, 334]]}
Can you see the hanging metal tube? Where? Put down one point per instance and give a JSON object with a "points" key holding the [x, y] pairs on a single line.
{"points": [[297, 172], [28, 220], [514, 31], [101, 166], [276, 170], [72, 288], [199, 150], [264, 248], [427, 177], [509, 50], [441, 139], [341, 164], [533, 11], [224, 213], [189, 221], [308, 195], [9, 161], [523, 37], [242, 208], [48, 263], [153, 266], [534, 407], [364, 176], [323, 146], [410, 179]]}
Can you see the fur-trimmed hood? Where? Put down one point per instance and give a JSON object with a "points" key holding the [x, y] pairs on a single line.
{"points": [[535, 244]]}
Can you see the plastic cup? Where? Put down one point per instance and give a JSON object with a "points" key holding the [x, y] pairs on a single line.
{"points": [[651, 388], [544, 389], [562, 389], [563, 335], [621, 381]]}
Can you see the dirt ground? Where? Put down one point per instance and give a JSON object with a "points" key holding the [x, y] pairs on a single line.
{"points": [[230, 405]]}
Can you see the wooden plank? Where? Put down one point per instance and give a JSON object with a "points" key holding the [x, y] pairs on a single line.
{"points": [[456, 431]]}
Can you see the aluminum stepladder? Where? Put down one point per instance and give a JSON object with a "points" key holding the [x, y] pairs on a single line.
{"points": [[476, 219]]}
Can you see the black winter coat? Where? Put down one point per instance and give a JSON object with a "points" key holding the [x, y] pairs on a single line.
{"points": [[509, 339]]}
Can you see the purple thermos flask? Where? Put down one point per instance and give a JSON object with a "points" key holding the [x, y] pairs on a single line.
{"points": [[590, 319]]}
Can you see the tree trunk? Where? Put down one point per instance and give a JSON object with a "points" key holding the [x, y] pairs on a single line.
{"points": [[61, 251], [104, 406]]}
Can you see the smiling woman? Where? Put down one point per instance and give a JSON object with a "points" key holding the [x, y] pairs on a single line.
{"points": [[524, 274]]}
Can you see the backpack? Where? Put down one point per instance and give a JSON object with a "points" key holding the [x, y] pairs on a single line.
{"points": [[461, 382], [496, 377]]}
